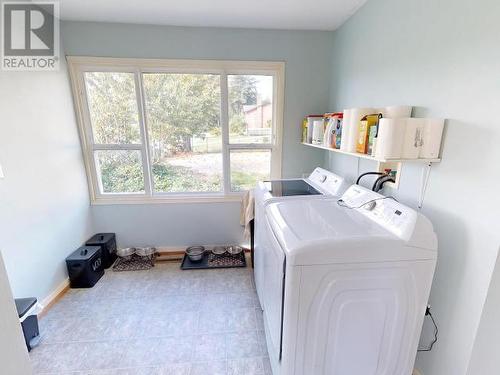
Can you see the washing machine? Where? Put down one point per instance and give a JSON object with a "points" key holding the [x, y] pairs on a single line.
{"points": [[319, 185], [346, 284]]}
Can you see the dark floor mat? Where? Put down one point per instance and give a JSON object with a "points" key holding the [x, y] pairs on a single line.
{"points": [[214, 261], [135, 263]]}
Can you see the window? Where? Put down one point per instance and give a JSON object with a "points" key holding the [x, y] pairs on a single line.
{"points": [[171, 130], [183, 120]]}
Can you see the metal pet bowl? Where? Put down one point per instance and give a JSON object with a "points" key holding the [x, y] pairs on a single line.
{"points": [[234, 250], [195, 253], [145, 251], [219, 250], [126, 253]]}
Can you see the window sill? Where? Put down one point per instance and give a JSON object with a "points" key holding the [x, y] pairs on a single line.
{"points": [[182, 199]]}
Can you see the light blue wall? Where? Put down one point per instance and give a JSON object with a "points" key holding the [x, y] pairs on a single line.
{"points": [[307, 58], [44, 204], [485, 359], [442, 57]]}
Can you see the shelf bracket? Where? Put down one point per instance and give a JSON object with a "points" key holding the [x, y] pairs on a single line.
{"points": [[426, 172]]}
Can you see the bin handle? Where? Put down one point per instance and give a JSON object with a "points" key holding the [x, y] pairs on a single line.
{"points": [[34, 310]]}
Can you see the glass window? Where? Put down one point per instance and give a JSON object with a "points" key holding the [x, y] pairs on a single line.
{"points": [[158, 131], [249, 167], [250, 108], [119, 171], [183, 118], [113, 107]]}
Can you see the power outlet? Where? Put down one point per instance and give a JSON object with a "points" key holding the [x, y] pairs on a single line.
{"points": [[393, 166]]}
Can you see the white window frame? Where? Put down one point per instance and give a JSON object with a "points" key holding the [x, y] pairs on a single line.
{"points": [[78, 65]]}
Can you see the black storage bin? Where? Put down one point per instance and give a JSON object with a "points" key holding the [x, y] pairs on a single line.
{"points": [[107, 241], [30, 323], [85, 267]]}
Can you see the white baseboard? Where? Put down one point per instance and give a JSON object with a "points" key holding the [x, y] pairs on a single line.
{"points": [[416, 372], [52, 298]]}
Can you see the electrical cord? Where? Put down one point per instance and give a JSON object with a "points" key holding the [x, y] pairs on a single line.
{"points": [[436, 331], [341, 202]]}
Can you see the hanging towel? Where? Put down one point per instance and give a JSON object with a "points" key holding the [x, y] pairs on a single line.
{"points": [[247, 212]]}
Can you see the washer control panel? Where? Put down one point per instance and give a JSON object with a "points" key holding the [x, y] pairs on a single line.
{"points": [[329, 182], [393, 216]]}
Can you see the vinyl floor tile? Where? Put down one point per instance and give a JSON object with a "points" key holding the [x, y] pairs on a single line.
{"points": [[163, 321]]}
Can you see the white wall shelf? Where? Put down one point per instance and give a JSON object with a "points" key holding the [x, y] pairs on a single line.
{"points": [[382, 164], [369, 157]]}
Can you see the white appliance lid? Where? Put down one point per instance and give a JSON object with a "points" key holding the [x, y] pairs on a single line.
{"points": [[319, 231], [313, 220]]}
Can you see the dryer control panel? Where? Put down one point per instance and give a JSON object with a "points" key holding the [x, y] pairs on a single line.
{"points": [[393, 216], [329, 182]]}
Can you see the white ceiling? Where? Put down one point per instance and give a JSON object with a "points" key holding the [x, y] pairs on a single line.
{"points": [[258, 14]]}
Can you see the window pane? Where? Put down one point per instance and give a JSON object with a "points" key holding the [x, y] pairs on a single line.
{"points": [[250, 108], [113, 107], [120, 171], [183, 118], [248, 167]]}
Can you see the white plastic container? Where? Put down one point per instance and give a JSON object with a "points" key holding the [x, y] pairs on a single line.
{"points": [[318, 131], [412, 142], [390, 137], [431, 138], [310, 126]]}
